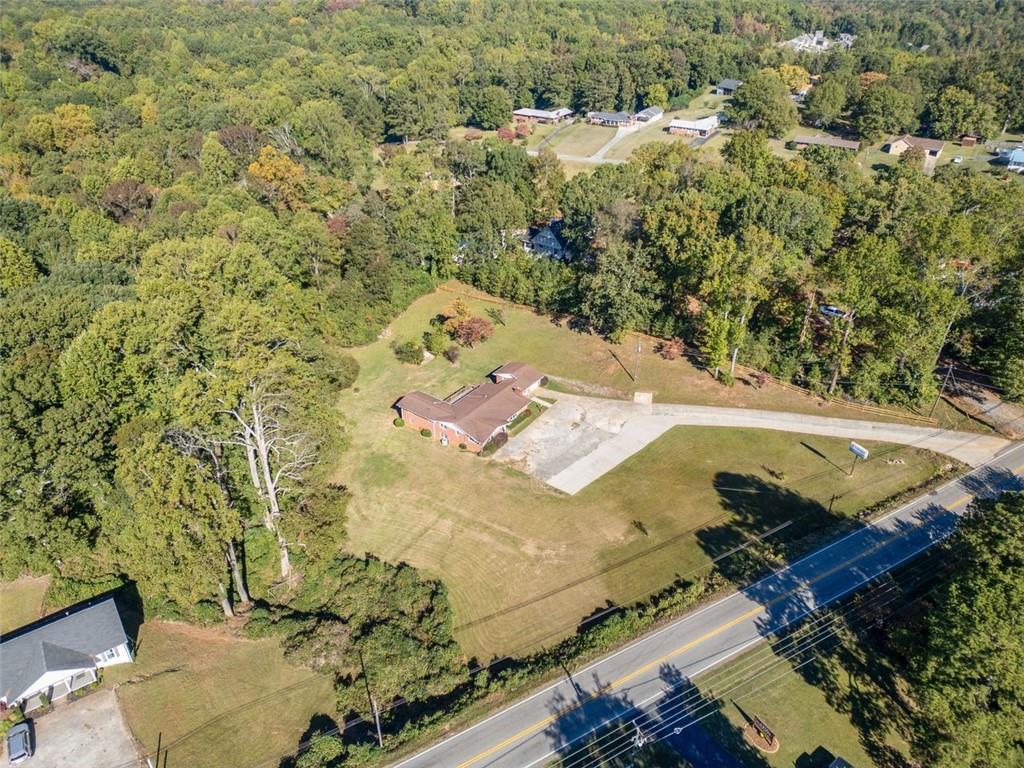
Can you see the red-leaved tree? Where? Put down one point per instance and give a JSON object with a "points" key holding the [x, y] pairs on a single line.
{"points": [[473, 330]]}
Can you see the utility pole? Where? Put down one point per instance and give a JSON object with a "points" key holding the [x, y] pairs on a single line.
{"points": [[636, 365], [640, 738], [373, 701], [945, 380], [842, 348]]}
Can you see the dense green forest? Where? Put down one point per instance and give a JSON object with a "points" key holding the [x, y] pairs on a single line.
{"points": [[203, 204]]}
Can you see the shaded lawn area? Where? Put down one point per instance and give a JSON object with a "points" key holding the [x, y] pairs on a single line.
{"points": [[21, 601], [523, 563], [216, 701], [836, 705]]}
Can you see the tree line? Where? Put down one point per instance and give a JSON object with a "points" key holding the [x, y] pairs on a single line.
{"points": [[201, 206]]}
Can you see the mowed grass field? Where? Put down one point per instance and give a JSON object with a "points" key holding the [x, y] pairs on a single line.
{"points": [[214, 700], [708, 104], [21, 601], [813, 707], [580, 138], [523, 563]]}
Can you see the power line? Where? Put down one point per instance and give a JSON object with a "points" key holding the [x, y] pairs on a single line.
{"points": [[681, 710], [924, 573], [928, 574], [400, 702]]}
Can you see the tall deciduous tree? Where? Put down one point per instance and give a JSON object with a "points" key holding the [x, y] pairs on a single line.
{"points": [[956, 112], [763, 102], [882, 110], [617, 296], [172, 536], [967, 667]]}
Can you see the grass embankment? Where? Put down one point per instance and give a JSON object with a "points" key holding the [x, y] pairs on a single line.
{"points": [[21, 601], [474, 523], [214, 700]]}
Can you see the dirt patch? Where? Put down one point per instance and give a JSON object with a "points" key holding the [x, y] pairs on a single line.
{"points": [[574, 386], [981, 403], [759, 742]]}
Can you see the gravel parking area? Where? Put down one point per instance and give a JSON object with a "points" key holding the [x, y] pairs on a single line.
{"points": [[89, 733]]}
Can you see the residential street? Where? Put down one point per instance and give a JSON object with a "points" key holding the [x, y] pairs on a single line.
{"points": [[550, 721]]}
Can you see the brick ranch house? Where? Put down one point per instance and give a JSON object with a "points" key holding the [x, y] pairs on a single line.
{"points": [[474, 414]]}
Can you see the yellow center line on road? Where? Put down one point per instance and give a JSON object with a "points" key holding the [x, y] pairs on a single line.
{"points": [[530, 729]]}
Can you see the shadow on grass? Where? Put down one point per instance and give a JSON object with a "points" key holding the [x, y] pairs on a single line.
{"points": [[740, 546], [821, 455], [614, 731], [318, 724]]}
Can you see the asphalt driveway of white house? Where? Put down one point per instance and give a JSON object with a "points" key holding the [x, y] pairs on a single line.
{"points": [[88, 733]]}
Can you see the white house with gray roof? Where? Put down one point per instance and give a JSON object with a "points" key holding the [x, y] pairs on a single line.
{"points": [[61, 653]]}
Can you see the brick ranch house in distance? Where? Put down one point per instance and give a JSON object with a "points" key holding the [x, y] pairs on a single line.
{"points": [[931, 147], [474, 414]]}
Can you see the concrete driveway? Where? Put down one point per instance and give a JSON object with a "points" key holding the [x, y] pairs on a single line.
{"points": [[89, 733], [581, 438]]}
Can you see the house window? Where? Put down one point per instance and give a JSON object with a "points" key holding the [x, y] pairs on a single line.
{"points": [[108, 655]]}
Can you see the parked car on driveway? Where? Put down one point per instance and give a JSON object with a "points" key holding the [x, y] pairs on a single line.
{"points": [[19, 743], [831, 310]]}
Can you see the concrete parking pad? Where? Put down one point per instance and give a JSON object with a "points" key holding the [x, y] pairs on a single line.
{"points": [[582, 438], [89, 733]]}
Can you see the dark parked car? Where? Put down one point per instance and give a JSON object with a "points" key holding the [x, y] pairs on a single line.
{"points": [[19, 743]]}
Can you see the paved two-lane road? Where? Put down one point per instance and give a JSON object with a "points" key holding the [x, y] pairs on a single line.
{"points": [[534, 731]]}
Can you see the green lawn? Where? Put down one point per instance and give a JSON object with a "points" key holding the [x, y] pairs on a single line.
{"points": [[700, 107], [540, 133], [214, 700], [580, 139], [840, 703], [473, 523], [21, 601]]}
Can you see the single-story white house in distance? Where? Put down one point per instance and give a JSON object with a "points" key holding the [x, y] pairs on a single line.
{"points": [[61, 653], [530, 115], [646, 115], [702, 126]]}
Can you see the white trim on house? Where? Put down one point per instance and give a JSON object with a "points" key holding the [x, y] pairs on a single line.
{"points": [[59, 683]]}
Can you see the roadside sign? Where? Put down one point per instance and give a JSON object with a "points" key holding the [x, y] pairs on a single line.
{"points": [[763, 730], [858, 450]]}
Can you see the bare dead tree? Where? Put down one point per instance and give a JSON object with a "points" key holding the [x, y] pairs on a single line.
{"points": [[277, 455], [210, 452], [284, 141]]}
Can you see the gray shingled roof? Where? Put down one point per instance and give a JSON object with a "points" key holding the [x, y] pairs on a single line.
{"points": [[611, 117], [65, 641], [729, 84]]}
